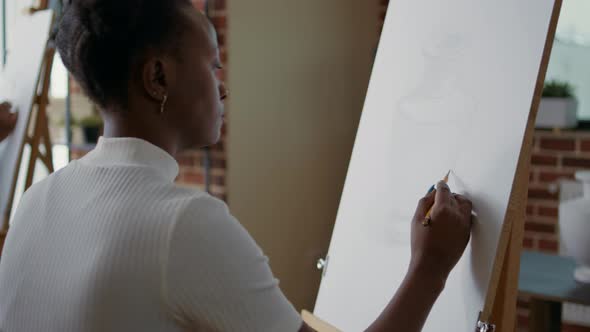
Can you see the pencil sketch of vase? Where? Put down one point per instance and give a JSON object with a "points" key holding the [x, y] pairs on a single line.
{"points": [[439, 97], [438, 107]]}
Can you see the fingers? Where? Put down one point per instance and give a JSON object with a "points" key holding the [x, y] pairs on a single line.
{"points": [[424, 205], [7, 119], [464, 203], [465, 206], [443, 194], [5, 107]]}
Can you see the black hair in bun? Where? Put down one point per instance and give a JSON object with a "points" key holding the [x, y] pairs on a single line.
{"points": [[99, 40]]}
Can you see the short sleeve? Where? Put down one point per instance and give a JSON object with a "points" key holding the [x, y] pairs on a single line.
{"points": [[217, 278]]}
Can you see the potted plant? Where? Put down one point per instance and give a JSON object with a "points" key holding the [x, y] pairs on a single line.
{"points": [[91, 126], [558, 108]]}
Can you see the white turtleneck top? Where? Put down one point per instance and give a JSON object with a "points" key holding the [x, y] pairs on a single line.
{"points": [[110, 243]]}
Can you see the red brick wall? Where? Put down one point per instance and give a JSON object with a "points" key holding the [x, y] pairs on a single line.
{"points": [[556, 155]]}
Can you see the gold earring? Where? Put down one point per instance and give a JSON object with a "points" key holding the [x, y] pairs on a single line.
{"points": [[163, 103]]}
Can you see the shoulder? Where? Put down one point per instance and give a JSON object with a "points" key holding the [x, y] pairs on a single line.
{"points": [[203, 216], [44, 186], [206, 229], [202, 204]]}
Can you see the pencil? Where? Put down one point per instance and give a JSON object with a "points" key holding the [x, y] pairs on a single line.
{"points": [[428, 218]]}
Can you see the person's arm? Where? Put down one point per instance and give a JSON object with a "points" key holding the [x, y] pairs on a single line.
{"points": [[7, 120], [215, 276], [218, 279], [435, 252]]}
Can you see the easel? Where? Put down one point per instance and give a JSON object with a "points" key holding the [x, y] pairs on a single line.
{"points": [[37, 134], [499, 314], [500, 306]]}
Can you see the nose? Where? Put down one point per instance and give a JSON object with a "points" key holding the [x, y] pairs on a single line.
{"points": [[223, 91]]}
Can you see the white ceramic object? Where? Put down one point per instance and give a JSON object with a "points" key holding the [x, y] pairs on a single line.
{"points": [[557, 113], [574, 223]]}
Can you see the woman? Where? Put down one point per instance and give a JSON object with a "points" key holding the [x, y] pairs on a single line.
{"points": [[109, 243]]}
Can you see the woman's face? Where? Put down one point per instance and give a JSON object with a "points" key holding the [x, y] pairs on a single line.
{"points": [[197, 95]]}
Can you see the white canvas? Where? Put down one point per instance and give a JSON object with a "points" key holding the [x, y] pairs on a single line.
{"points": [[18, 84], [451, 88]]}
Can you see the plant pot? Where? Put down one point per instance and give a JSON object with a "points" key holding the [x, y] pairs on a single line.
{"points": [[574, 228], [557, 113], [91, 134]]}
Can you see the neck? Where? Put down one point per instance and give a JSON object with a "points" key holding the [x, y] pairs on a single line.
{"points": [[120, 124]]}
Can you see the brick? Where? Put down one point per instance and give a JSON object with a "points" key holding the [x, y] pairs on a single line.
{"points": [[185, 160], [539, 228], [200, 4], [530, 210], [540, 193], [548, 211], [554, 176], [543, 160], [528, 242], [219, 4], [585, 145], [576, 162], [219, 146], [558, 144], [192, 177], [219, 21], [548, 245], [218, 180], [522, 303], [221, 38], [222, 197], [522, 320], [218, 163]]}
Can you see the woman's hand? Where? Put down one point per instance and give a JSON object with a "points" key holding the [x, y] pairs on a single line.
{"points": [[7, 120], [437, 248]]}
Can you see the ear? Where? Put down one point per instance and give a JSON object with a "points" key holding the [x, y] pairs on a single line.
{"points": [[156, 76]]}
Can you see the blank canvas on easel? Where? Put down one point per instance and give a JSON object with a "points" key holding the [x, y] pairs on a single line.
{"points": [[452, 88], [18, 84]]}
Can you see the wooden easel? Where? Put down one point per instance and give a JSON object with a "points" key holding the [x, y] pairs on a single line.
{"points": [[500, 305], [37, 135]]}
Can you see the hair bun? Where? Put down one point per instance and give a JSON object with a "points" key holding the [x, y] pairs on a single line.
{"points": [[99, 40], [103, 18]]}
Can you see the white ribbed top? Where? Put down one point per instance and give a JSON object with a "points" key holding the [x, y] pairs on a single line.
{"points": [[110, 243]]}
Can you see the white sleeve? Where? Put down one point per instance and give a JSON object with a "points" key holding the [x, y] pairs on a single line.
{"points": [[217, 278]]}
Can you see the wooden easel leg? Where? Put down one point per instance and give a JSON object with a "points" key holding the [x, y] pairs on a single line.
{"points": [[34, 144], [41, 132], [47, 157], [504, 311], [41, 128], [43, 103]]}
